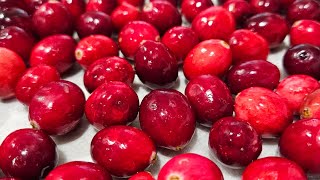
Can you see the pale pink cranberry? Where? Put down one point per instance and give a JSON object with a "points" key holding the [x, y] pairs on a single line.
{"points": [[304, 32], [75, 7], [106, 6], [136, 3], [57, 107], [310, 106], [15, 17], [129, 145], [191, 8], [123, 14], [304, 9], [260, 6], [240, 9], [144, 175], [33, 5]]}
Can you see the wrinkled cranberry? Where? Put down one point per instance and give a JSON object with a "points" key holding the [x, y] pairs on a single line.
{"points": [[106, 6], [15, 17], [310, 106], [304, 32], [240, 9], [304, 9], [260, 6], [123, 14], [75, 7], [191, 8]]}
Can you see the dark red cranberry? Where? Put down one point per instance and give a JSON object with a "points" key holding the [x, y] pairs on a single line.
{"points": [[13, 3], [310, 105], [94, 22], [117, 147], [28, 154], [75, 7], [260, 6], [304, 32], [106, 6], [144, 175], [304, 9], [284, 4], [136, 3], [303, 59], [191, 8], [57, 107], [9, 178], [240, 9], [15, 17], [173, 2], [33, 5], [123, 14]]}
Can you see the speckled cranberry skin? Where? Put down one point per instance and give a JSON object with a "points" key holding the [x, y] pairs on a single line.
{"points": [[210, 98], [75, 7], [260, 6], [15, 17], [191, 8], [106, 6], [240, 9], [27, 154], [57, 107], [78, 170], [144, 175], [304, 9], [273, 168], [123, 14], [304, 31], [132, 152], [310, 106]]}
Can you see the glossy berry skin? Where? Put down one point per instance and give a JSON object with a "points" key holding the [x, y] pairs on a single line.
{"points": [[52, 18], [106, 6], [132, 151], [79, 170], [15, 17], [246, 45], [33, 5], [57, 107], [116, 98], [32, 80], [304, 9], [209, 23], [75, 7], [12, 68], [27, 154], [299, 144], [273, 27], [276, 168], [137, 3], [302, 59], [295, 88], [211, 56], [56, 50], [310, 106], [304, 31], [167, 117], [240, 9], [191, 8], [155, 65], [186, 166], [247, 74], [12, 3], [234, 142], [260, 6], [210, 98], [265, 110], [123, 14], [108, 69], [94, 47], [144, 175]]}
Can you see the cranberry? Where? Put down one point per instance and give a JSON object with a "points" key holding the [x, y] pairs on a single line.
{"points": [[9, 178], [94, 47], [137, 3], [133, 34], [27, 154], [123, 14], [211, 56], [304, 32], [240, 9], [75, 7], [299, 143], [210, 99], [15, 17], [265, 110], [295, 88], [260, 6], [106, 6], [310, 106], [143, 175], [108, 69], [189, 166], [273, 168], [246, 46], [234, 142], [123, 150], [214, 23], [32, 80], [173, 2], [33, 5], [79, 170], [55, 50], [303, 59], [304, 9], [155, 65], [12, 3], [253, 73], [284, 4], [12, 68], [191, 8], [94, 22], [57, 107]]}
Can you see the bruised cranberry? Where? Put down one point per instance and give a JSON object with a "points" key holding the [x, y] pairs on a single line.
{"points": [[304, 32], [137, 3], [240, 9], [79, 170], [273, 168], [144, 175], [189, 166], [33, 5], [108, 69], [32, 80], [210, 98], [304, 9], [191, 8], [123, 150], [57, 107], [15, 17], [260, 6], [123, 14], [27, 154], [310, 106], [106, 6], [75, 7]]}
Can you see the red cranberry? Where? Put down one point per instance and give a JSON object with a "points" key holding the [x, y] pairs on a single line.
{"points": [[57, 107], [144, 175], [27, 154], [94, 47], [133, 34], [137, 3], [106, 6], [155, 65], [214, 23], [273, 168], [15, 17], [253, 73], [240, 9], [295, 88], [310, 106], [79, 170], [284, 4], [265, 110], [246, 46], [303, 59], [9, 178], [260, 6], [299, 143], [123, 14], [234, 142], [189, 166], [32, 80], [208, 57], [75, 7], [108, 69], [173, 2], [123, 150], [304, 9], [33, 5], [94, 22], [304, 32], [12, 3], [12, 68], [55, 50], [210, 99], [191, 8]]}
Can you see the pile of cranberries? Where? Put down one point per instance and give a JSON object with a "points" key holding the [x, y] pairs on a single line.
{"points": [[159, 89]]}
